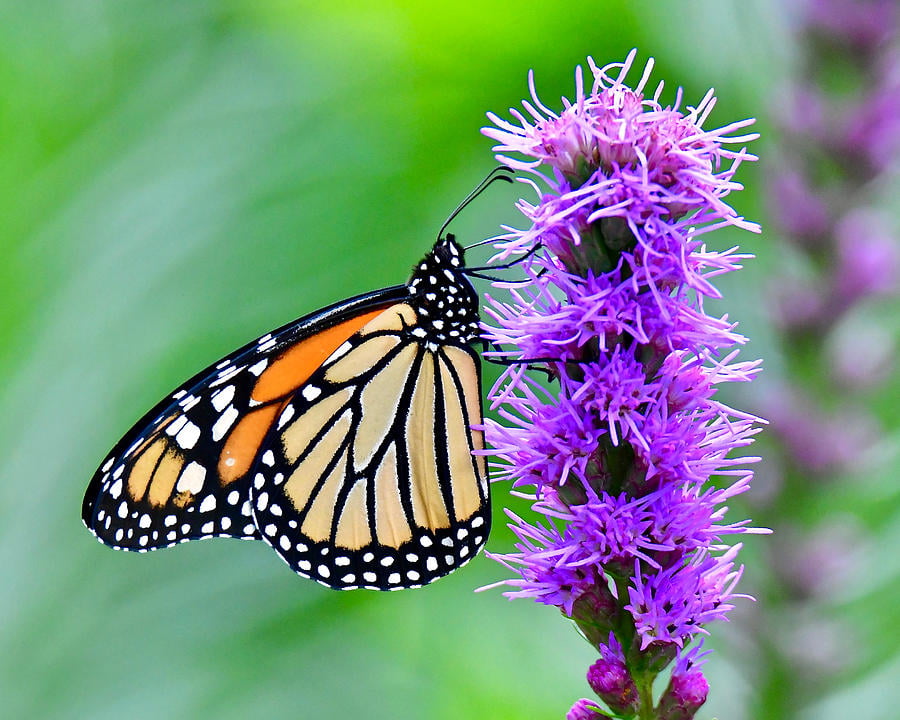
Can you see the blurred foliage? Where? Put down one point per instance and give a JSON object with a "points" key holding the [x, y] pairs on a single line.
{"points": [[176, 178]]}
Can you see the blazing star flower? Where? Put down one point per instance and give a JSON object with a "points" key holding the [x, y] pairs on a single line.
{"points": [[627, 455]]}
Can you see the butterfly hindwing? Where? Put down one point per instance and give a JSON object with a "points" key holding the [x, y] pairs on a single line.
{"points": [[183, 471], [369, 479]]}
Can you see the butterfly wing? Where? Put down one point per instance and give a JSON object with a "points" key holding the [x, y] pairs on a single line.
{"points": [[183, 471], [369, 479]]}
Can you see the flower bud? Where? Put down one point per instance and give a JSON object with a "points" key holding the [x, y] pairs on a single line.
{"points": [[583, 709], [684, 696], [612, 682]]}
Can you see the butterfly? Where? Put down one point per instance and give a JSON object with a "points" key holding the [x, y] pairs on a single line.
{"points": [[344, 440]]}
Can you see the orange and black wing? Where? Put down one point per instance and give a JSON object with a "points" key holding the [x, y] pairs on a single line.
{"points": [[183, 471], [368, 479]]}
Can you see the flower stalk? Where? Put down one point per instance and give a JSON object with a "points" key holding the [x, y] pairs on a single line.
{"points": [[627, 456]]}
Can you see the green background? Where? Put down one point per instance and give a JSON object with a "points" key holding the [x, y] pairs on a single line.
{"points": [[177, 178]]}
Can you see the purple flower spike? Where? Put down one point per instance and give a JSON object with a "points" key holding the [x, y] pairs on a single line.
{"points": [[627, 453], [863, 24]]}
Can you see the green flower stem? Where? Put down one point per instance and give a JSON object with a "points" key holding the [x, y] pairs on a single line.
{"points": [[644, 682]]}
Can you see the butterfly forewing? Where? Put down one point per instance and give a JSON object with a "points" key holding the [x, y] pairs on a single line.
{"points": [[183, 472], [370, 479]]}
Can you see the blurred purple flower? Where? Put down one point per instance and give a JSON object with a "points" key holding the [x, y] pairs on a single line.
{"points": [[868, 256], [872, 129], [862, 24], [841, 143], [619, 459], [800, 209], [821, 444]]}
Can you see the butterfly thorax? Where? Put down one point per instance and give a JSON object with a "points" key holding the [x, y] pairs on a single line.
{"points": [[444, 300]]}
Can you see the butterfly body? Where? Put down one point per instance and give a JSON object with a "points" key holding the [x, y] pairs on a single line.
{"points": [[343, 440]]}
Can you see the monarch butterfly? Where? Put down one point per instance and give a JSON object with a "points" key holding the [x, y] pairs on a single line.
{"points": [[343, 440]]}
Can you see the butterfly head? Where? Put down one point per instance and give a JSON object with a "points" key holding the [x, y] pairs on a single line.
{"points": [[445, 302]]}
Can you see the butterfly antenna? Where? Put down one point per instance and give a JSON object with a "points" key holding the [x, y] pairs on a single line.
{"points": [[498, 173], [480, 243]]}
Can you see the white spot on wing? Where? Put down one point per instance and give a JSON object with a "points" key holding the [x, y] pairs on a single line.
{"points": [[286, 416], [188, 436], [223, 398], [191, 479], [209, 503], [176, 425], [226, 376], [257, 368], [342, 350], [190, 402], [311, 392], [224, 423]]}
